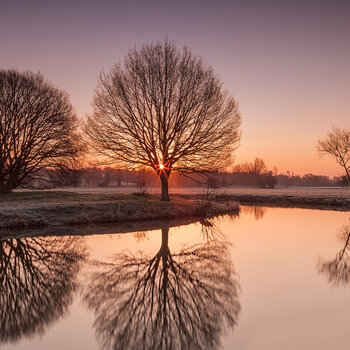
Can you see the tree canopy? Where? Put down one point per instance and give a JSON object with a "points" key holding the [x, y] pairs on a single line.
{"points": [[166, 109], [37, 282], [184, 300], [38, 128], [337, 270], [337, 144]]}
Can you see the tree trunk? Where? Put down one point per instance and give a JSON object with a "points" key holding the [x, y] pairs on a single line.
{"points": [[348, 176], [4, 187], [164, 177], [165, 239]]}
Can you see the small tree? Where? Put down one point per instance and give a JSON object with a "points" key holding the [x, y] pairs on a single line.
{"points": [[337, 144], [38, 129], [165, 109], [258, 167]]}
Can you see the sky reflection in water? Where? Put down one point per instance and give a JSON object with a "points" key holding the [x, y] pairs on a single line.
{"points": [[271, 278]]}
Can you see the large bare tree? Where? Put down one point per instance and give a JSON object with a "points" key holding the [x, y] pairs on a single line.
{"points": [[38, 128], [166, 109], [184, 300], [337, 144], [37, 283]]}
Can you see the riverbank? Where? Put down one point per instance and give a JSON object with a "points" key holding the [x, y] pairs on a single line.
{"points": [[322, 202], [95, 206], [289, 201], [57, 208]]}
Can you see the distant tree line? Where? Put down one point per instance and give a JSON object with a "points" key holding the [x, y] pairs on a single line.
{"points": [[254, 174]]}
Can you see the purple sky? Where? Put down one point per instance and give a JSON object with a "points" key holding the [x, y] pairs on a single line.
{"points": [[287, 62]]}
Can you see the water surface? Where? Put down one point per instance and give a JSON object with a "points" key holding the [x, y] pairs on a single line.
{"points": [[271, 278]]}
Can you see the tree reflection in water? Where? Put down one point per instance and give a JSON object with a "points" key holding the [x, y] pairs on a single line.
{"points": [[255, 210], [185, 300], [337, 270], [37, 279]]}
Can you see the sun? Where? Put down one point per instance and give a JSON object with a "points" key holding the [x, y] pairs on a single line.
{"points": [[161, 166]]}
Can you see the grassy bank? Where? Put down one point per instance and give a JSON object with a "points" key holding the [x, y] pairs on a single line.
{"points": [[48, 208], [290, 201]]}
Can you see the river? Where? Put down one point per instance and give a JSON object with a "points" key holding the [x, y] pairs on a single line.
{"points": [[269, 278]]}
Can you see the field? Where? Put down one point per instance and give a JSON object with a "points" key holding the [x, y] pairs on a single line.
{"points": [[338, 192], [105, 205], [54, 208]]}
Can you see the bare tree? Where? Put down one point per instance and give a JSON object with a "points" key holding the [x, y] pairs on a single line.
{"points": [[38, 128], [185, 300], [258, 166], [166, 109], [37, 282], [337, 271], [337, 144]]}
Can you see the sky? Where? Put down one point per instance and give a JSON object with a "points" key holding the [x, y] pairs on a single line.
{"points": [[286, 62]]}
